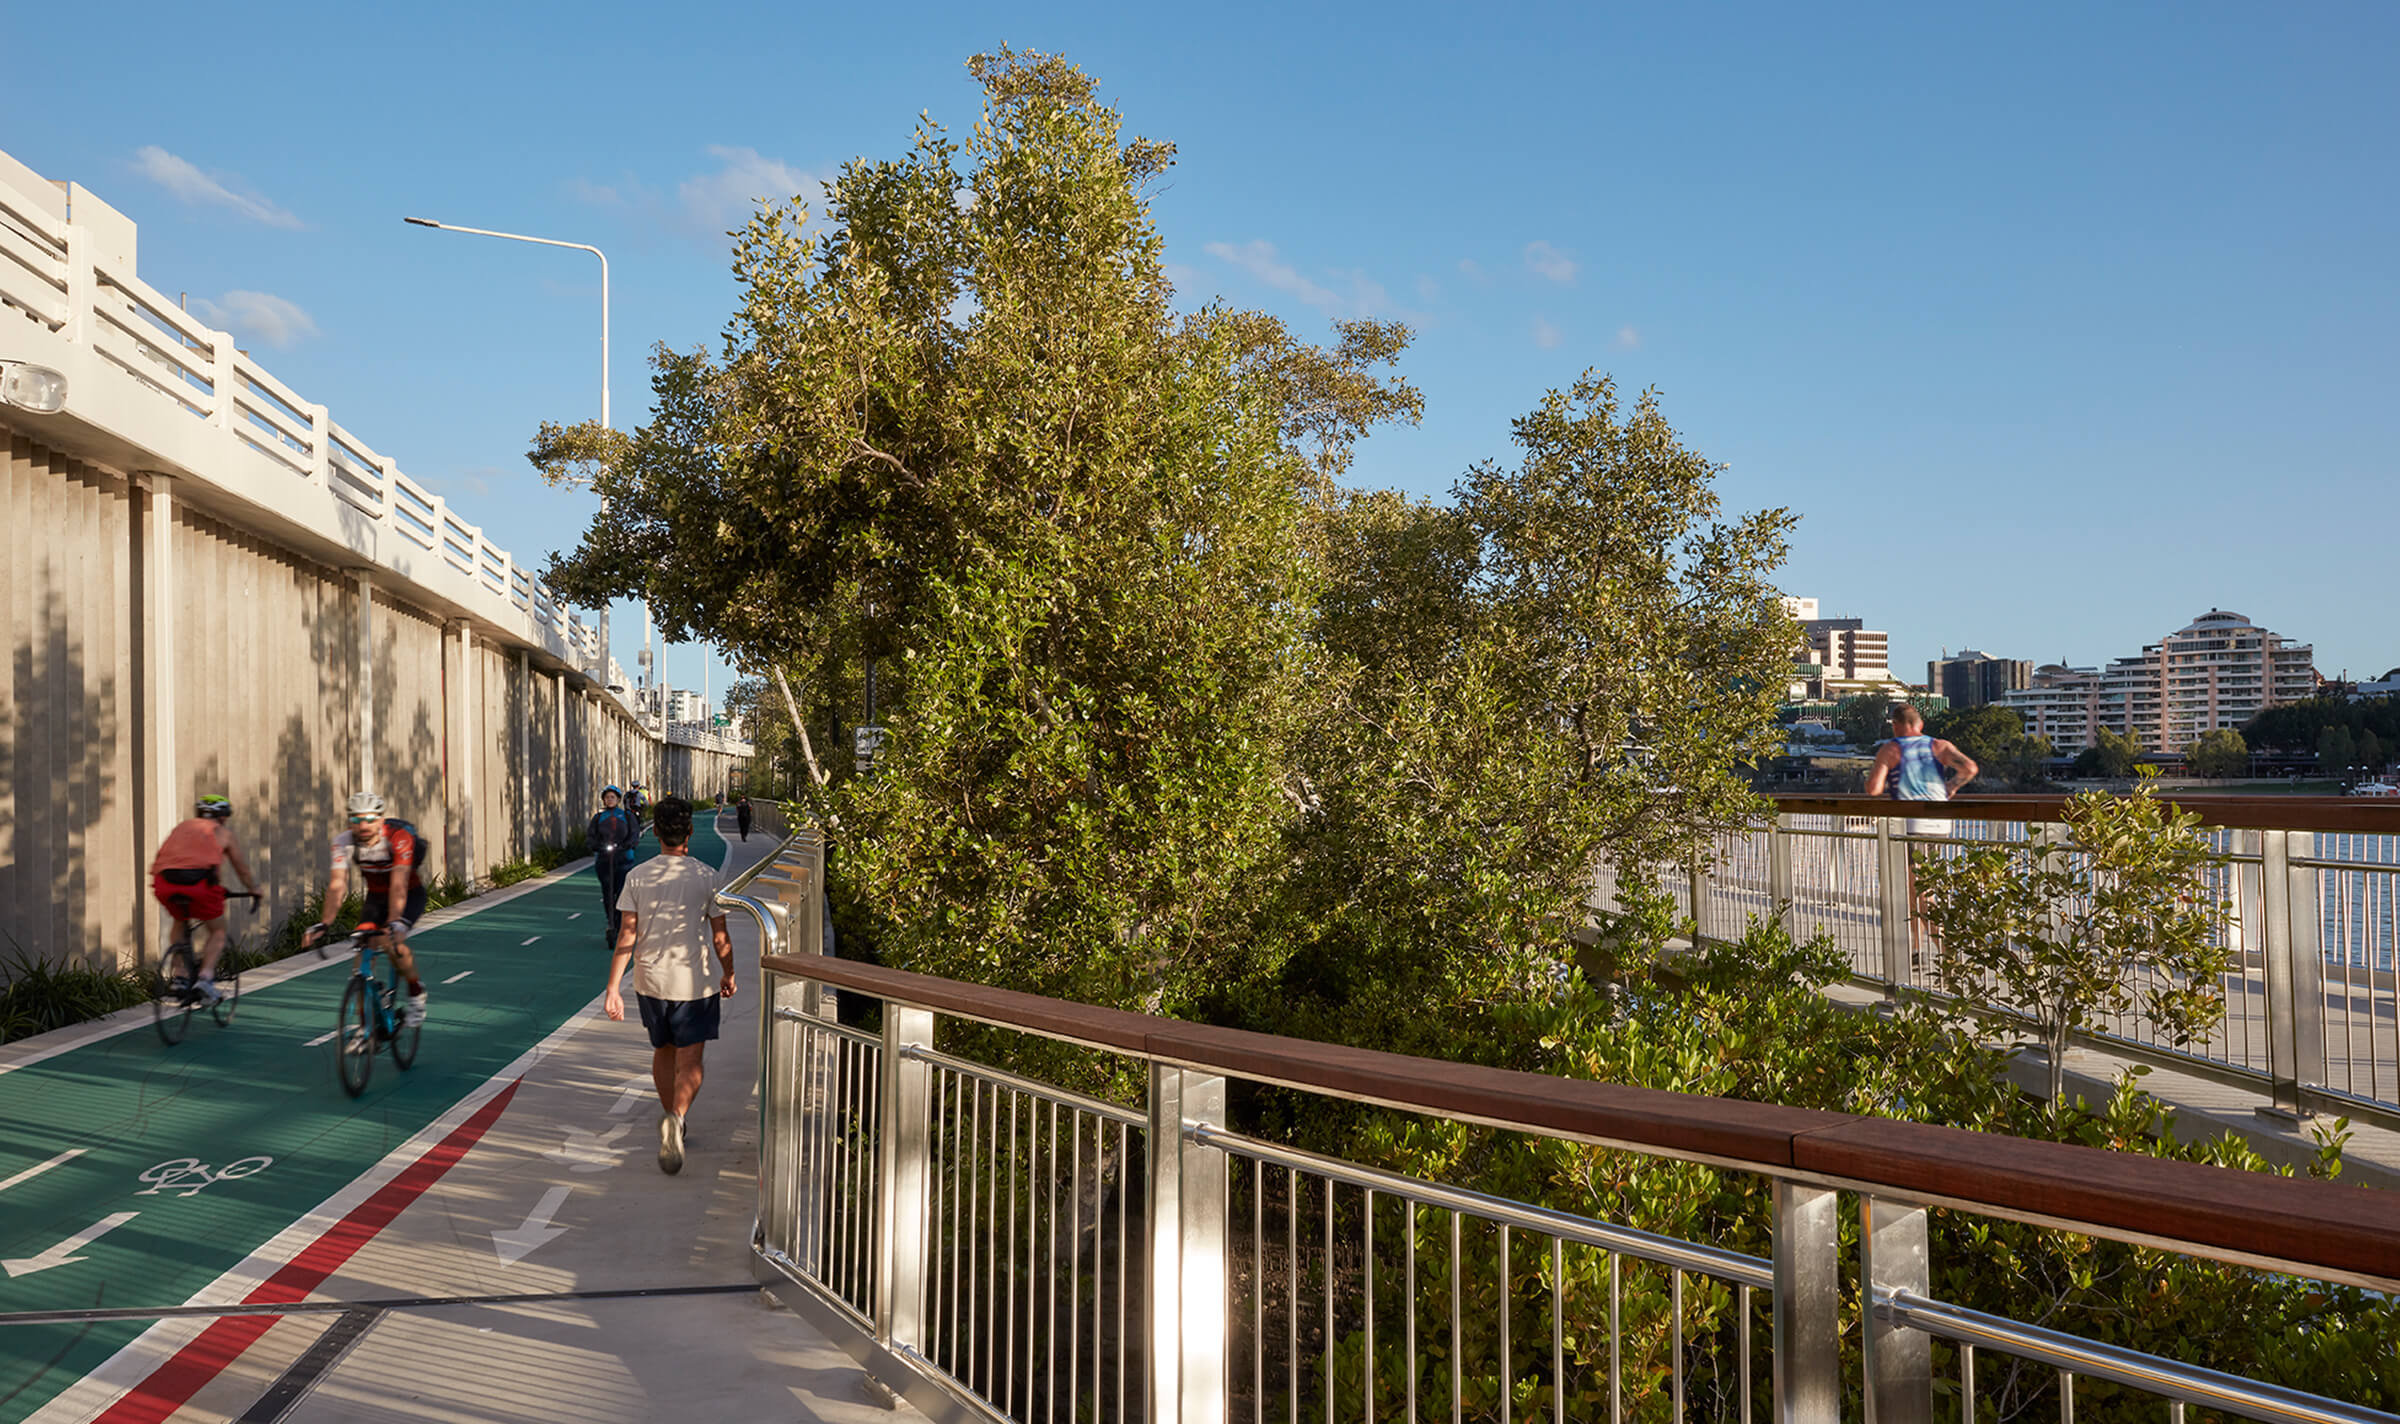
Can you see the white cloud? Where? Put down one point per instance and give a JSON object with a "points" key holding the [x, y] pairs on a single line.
{"points": [[1346, 291], [721, 200], [1628, 338], [1428, 290], [1473, 271], [599, 195], [262, 315], [186, 181], [1548, 261], [1259, 260], [474, 483], [1545, 335]]}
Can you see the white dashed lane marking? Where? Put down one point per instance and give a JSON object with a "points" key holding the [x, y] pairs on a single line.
{"points": [[463, 973], [326, 1037], [521, 946], [576, 916]]}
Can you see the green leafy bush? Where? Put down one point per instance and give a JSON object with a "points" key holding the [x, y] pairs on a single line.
{"points": [[40, 996]]}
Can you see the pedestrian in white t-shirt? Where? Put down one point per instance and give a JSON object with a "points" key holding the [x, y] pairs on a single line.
{"points": [[671, 923]]}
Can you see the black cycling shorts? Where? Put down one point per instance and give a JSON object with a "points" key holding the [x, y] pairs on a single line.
{"points": [[379, 908]]}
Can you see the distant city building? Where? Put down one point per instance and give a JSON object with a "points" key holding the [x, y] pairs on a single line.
{"points": [[1973, 679], [2387, 685], [2219, 670], [1843, 657], [685, 705]]}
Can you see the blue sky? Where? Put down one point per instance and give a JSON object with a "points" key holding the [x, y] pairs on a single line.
{"points": [[2057, 324]]}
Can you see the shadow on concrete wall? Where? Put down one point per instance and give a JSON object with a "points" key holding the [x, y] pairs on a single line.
{"points": [[62, 724]]}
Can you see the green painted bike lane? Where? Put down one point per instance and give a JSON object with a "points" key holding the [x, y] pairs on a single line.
{"points": [[156, 1128]]}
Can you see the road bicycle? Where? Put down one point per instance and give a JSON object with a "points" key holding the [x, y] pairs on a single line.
{"points": [[371, 1016], [174, 991]]}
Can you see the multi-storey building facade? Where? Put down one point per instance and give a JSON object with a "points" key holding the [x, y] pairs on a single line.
{"points": [[1973, 679], [2219, 670]]}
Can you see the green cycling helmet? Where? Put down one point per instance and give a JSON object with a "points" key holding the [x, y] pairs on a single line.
{"points": [[216, 808]]}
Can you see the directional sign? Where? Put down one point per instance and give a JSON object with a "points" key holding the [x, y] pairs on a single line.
{"points": [[515, 1245], [63, 1254]]}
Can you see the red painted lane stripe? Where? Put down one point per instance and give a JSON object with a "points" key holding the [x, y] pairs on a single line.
{"points": [[172, 1384]]}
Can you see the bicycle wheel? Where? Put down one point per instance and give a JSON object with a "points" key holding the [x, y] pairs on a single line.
{"points": [[355, 1034], [404, 1033], [229, 984], [170, 1006]]}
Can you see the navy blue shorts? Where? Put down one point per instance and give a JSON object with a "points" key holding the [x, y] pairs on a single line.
{"points": [[679, 1023]]}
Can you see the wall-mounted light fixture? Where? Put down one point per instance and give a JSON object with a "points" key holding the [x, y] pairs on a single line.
{"points": [[35, 388]]}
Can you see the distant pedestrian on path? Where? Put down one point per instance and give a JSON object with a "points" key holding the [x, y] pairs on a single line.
{"points": [[1915, 767], [611, 835], [741, 817], [671, 923]]}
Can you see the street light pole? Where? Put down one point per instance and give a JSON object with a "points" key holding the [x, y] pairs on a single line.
{"points": [[604, 422]]}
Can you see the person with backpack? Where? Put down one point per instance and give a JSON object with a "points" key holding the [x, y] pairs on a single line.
{"points": [[611, 834]]}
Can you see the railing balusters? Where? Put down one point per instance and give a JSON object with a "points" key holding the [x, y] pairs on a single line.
{"points": [[1328, 1350]]}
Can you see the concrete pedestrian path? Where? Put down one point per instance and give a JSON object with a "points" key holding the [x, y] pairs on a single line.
{"points": [[521, 1162]]}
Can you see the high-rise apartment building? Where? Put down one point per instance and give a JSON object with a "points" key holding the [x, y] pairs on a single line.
{"points": [[1972, 679], [2219, 670]]}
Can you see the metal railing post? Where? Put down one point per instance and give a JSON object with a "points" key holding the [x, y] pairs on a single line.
{"points": [[904, 1147], [1892, 883], [1808, 1304], [1188, 1185], [2281, 923], [2294, 954], [1781, 898], [1704, 893], [1894, 1256]]}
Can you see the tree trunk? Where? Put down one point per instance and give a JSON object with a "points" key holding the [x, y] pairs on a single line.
{"points": [[2058, 1071], [808, 750]]}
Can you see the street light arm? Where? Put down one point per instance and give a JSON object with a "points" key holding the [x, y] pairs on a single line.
{"points": [[551, 242]]}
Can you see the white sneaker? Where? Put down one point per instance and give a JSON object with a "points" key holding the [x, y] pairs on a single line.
{"points": [[208, 991], [670, 1143], [412, 1011]]}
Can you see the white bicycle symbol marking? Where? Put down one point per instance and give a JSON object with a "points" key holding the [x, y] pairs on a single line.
{"points": [[186, 1175]]}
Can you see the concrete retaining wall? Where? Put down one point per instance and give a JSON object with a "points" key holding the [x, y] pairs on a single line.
{"points": [[158, 652]]}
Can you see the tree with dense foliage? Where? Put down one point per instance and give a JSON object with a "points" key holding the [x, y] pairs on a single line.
{"points": [[957, 429], [2297, 726], [2219, 753], [2118, 911], [1996, 738], [2337, 750], [1863, 718], [2112, 754], [1576, 656]]}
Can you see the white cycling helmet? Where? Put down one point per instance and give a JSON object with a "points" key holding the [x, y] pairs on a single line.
{"points": [[365, 803]]}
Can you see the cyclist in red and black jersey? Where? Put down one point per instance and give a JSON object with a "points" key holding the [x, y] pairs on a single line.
{"points": [[385, 851]]}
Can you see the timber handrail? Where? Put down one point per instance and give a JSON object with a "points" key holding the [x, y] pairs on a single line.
{"points": [[2303, 1226], [2352, 814]]}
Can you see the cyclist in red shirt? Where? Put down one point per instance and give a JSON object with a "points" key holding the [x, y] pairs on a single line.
{"points": [[184, 878], [385, 851]]}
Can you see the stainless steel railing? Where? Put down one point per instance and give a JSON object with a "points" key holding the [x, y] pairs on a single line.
{"points": [[1000, 1248], [2312, 1011]]}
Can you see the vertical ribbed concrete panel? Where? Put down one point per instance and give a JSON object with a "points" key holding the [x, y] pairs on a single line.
{"points": [[266, 701], [496, 809], [68, 794], [267, 709], [408, 715]]}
